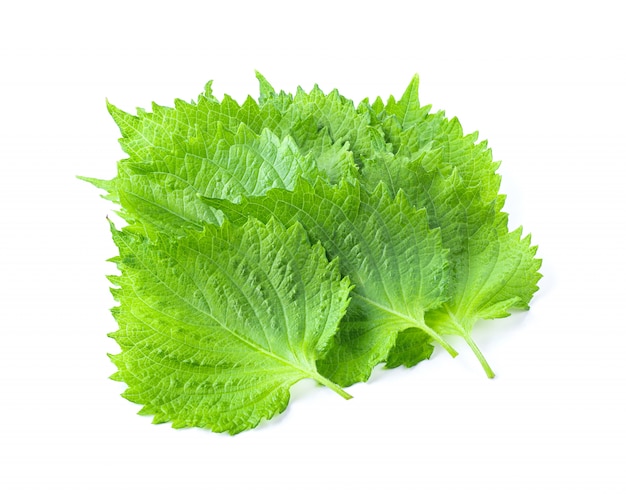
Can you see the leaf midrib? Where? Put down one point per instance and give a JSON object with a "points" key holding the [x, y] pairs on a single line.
{"points": [[251, 344]]}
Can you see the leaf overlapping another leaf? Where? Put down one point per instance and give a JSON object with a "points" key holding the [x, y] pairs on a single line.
{"points": [[248, 224], [455, 180], [398, 265]]}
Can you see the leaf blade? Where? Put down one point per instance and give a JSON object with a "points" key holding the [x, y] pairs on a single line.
{"points": [[202, 345]]}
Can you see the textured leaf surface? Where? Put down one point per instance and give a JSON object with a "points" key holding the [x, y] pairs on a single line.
{"points": [[435, 142], [217, 322], [491, 269], [314, 115], [216, 326], [412, 346], [225, 150], [398, 265], [496, 272], [160, 181]]}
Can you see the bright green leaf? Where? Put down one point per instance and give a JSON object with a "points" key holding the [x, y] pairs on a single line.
{"points": [[397, 264], [216, 326]]}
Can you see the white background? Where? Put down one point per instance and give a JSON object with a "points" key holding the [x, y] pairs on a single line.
{"points": [[543, 81]]}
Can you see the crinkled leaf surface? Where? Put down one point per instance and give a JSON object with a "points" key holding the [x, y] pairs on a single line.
{"points": [[495, 271], [219, 149], [216, 326], [315, 115], [398, 265], [160, 181], [438, 143], [216, 323], [491, 269]]}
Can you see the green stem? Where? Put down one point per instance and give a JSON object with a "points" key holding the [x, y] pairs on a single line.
{"points": [[412, 323], [329, 384], [460, 330], [435, 336], [480, 356]]}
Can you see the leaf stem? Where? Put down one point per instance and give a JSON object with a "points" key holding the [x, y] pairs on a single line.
{"points": [[480, 356], [460, 330], [413, 323], [436, 337], [329, 384]]}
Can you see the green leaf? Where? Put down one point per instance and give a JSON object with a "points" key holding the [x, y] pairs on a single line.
{"points": [[398, 265], [216, 326], [412, 346], [435, 142], [163, 191], [217, 322], [428, 158], [266, 91], [217, 149], [496, 272], [492, 269], [305, 116], [407, 110]]}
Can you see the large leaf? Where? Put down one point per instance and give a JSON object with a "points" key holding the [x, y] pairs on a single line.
{"points": [[398, 265], [223, 150], [216, 326]]}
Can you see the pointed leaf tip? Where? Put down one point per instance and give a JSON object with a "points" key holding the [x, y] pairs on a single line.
{"points": [[208, 89], [266, 90]]}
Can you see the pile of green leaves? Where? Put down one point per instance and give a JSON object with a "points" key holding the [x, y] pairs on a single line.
{"points": [[299, 236]]}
